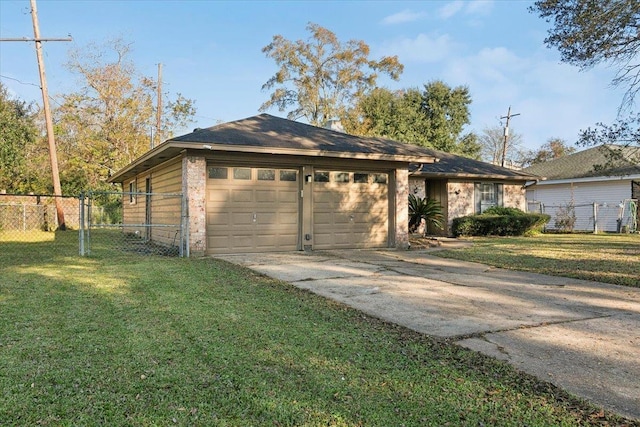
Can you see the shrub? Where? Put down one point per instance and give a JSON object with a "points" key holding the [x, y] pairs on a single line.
{"points": [[499, 221], [566, 217], [501, 210]]}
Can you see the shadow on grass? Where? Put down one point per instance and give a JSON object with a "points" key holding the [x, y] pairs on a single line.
{"points": [[605, 258], [124, 340]]}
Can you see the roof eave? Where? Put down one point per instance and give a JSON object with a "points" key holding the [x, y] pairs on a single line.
{"points": [[551, 181], [473, 176], [305, 152], [156, 151]]}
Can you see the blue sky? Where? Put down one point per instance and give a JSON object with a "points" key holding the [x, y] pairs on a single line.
{"points": [[211, 52]]}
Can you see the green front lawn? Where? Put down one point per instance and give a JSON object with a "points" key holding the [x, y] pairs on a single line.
{"points": [[610, 258], [119, 339]]}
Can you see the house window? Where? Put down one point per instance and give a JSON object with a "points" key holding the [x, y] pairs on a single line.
{"points": [[361, 178], [218, 173], [242, 173], [379, 178], [487, 195], [132, 191], [266, 175], [341, 177], [321, 176], [289, 176]]}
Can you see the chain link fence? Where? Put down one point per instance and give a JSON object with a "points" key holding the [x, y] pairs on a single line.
{"points": [[140, 223], [32, 219], [592, 217], [96, 223]]}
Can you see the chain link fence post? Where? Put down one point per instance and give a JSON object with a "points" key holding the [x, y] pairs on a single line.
{"points": [[81, 223]]}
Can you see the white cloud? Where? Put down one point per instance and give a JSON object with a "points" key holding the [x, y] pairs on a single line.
{"points": [[422, 48], [476, 7], [554, 99], [450, 9], [479, 7], [402, 17]]}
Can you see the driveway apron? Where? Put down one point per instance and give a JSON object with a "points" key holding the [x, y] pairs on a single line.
{"points": [[579, 335]]}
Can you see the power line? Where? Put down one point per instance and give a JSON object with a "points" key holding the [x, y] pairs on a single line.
{"points": [[20, 81], [57, 190]]}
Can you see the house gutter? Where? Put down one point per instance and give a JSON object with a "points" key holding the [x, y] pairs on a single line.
{"points": [[470, 176], [181, 146], [588, 179]]}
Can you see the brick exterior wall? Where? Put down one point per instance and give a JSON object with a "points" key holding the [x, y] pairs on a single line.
{"points": [[402, 209], [194, 187], [416, 187], [514, 196], [461, 204]]}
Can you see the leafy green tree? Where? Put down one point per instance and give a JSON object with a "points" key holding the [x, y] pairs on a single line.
{"points": [[393, 115], [447, 111], [321, 77], [432, 118], [107, 122], [589, 32], [19, 136]]}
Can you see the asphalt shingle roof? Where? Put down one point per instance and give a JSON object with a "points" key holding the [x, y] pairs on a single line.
{"points": [[267, 131], [603, 160], [453, 166]]}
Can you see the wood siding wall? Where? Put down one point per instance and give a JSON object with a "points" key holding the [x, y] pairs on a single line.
{"points": [[163, 210], [607, 195]]}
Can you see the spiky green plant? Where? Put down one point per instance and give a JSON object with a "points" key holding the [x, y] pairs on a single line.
{"points": [[428, 209]]}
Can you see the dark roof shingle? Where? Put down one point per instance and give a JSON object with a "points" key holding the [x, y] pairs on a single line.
{"points": [[267, 131], [454, 166]]}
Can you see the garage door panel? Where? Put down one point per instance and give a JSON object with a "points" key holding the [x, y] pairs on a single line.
{"points": [[284, 242], [221, 195], [322, 195], [341, 218], [221, 218], [322, 218], [241, 218], [269, 196], [288, 218], [241, 242], [322, 239], [288, 196], [266, 219], [235, 242], [350, 214], [238, 195], [253, 214]]}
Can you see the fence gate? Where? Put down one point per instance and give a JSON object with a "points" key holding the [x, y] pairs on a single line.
{"points": [[140, 223]]}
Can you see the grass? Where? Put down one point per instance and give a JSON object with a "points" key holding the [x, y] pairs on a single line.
{"points": [[119, 339], [609, 258]]}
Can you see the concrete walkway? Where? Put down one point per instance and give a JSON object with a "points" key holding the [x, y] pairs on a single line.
{"points": [[581, 336]]}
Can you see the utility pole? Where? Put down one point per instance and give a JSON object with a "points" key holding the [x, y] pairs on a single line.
{"points": [[506, 134], [159, 107], [53, 156]]}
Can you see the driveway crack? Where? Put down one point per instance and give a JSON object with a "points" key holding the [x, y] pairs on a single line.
{"points": [[483, 334]]}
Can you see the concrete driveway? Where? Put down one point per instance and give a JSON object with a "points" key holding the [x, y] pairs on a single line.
{"points": [[581, 336]]}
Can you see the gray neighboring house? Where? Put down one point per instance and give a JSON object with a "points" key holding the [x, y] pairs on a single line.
{"points": [[601, 183], [266, 183], [465, 186]]}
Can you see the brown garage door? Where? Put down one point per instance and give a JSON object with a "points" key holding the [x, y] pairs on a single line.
{"points": [[251, 209], [350, 209]]}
